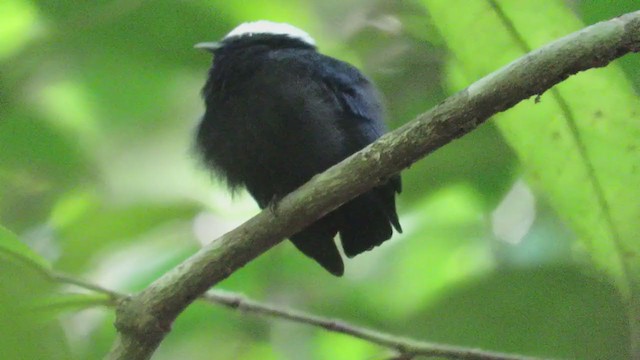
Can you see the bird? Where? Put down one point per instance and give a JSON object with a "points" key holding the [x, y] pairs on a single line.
{"points": [[278, 112]]}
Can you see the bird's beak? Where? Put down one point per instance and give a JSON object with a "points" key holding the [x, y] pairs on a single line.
{"points": [[208, 46]]}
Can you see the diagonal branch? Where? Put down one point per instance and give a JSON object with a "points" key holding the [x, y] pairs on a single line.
{"points": [[144, 320]]}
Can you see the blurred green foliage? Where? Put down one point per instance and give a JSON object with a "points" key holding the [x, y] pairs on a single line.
{"points": [[98, 102]]}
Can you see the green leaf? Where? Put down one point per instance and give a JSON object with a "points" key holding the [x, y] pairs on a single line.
{"points": [[579, 143], [12, 247]]}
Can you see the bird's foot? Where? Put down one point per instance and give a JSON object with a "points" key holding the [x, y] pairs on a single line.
{"points": [[274, 203]]}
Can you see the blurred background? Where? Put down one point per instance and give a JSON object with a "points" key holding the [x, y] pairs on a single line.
{"points": [[511, 232]]}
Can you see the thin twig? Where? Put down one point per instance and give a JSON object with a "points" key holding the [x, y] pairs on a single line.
{"points": [[407, 348], [84, 284]]}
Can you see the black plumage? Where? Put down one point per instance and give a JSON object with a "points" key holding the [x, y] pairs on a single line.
{"points": [[277, 113]]}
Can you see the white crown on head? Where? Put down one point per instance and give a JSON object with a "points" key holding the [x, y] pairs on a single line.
{"points": [[269, 27]]}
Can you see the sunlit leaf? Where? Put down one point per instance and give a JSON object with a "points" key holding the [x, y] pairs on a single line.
{"points": [[579, 143]]}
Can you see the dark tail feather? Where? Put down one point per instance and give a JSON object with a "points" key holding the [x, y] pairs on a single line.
{"points": [[366, 224], [386, 200], [316, 241]]}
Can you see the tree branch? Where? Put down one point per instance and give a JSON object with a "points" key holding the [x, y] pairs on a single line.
{"points": [[71, 280], [144, 319], [407, 348]]}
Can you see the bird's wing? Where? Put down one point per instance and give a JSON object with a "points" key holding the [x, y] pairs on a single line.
{"points": [[361, 104], [363, 124], [358, 98], [342, 114]]}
